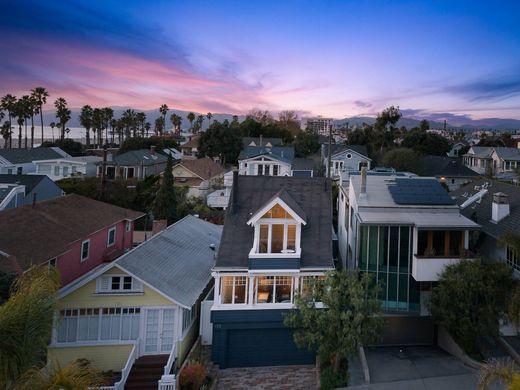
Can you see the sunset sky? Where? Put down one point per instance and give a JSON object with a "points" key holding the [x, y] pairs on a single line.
{"points": [[332, 58]]}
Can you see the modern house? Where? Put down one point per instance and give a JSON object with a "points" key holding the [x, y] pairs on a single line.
{"points": [[63, 168], [496, 207], [345, 158], [273, 161], [20, 161], [19, 190], [403, 231], [135, 164], [277, 237], [190, 149], [72, 232], [141, 309], [492, 160], [199, 175], [449, 171]]}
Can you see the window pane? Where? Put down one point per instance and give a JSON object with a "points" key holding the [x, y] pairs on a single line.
{"points": [[277, 238], [127, 283], [240, 289], [283, 289], [72, 324], [404, 249], [227, 289], [438, 243], [383, 248], [372, 248], [291, 237], [264, 233], [394, 248], [265, 289], [116, 282], [456, 243]]}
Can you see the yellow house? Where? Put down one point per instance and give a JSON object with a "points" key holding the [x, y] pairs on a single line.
{"points": [[144, 304]]}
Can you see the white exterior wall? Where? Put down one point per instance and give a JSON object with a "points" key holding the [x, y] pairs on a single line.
{"points": [[60, 169], [347, 160], [249, 167]]}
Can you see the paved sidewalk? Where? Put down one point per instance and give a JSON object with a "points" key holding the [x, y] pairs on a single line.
{"points": [[263, 378]]}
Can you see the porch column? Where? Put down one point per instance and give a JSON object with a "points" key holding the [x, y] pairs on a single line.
{"points": [[217, 291], [251, 290]]}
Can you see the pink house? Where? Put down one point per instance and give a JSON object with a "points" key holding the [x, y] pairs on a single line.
{"points": [[73, 233]]}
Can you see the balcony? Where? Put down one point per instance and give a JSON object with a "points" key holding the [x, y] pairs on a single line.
{"points": [[429, 269]]}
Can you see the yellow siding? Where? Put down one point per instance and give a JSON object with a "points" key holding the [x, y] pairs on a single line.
{"points": [[187, 342], [85, 297], [103, 357]]}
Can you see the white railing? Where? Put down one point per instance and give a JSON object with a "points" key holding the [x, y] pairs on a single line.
{"points": [[134, 355], [167, 381]]}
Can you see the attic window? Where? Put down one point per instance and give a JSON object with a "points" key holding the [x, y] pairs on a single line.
{"points": [[349, 155], [277, 212]]}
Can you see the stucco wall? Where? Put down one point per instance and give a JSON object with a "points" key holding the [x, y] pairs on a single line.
{"points": [[103, 357]]}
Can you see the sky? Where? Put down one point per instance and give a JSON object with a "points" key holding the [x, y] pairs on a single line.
{"points": [[437, 59]]}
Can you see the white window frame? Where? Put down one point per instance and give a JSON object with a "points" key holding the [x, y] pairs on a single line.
{"points": [[88, 250], [234, 278], [109, 244], [56, 170], [137, 285], [128, 226]]}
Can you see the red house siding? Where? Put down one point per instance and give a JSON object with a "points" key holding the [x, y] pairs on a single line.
{"points": [[70, 265]]}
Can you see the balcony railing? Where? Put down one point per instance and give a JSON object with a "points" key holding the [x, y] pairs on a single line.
{"points": [[134, 355], [430, 268]]}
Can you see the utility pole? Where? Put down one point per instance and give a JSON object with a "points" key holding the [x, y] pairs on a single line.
{"points": [[329, 163]]}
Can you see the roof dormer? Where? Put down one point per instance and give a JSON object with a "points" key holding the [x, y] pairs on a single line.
{"points": [[277, 227]]}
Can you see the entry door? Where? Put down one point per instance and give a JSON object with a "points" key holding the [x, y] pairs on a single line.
{"points": [[159, 331]]}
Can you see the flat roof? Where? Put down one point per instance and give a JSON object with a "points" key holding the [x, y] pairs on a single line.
{"points": [[418, 219]]}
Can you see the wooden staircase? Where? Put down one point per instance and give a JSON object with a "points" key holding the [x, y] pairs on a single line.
{"points": [[146, 372]]}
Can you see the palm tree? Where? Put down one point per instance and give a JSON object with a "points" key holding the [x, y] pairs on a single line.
{"points": [[176, 122], [8, 103], [19, 113], [97, 125], [27, 109], [40, 95], [5, 131], [32, 109], [164, 110], [85, 119], [113, 125], [52, 125], [129, 122], [141, 119], [147, 127], [191, 118], [108, 115], [159, 125], [209, 115], [63, 114]]}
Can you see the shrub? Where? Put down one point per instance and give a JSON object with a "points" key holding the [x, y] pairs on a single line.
{"points": [[330, 380], [192, 376]]}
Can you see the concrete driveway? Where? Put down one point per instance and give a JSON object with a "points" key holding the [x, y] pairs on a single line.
{"points": [[415, 368]]}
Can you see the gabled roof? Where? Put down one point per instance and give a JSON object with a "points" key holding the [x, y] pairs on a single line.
{"points": [[280, 153], [36, 234], [176, 262], [480, 151], [138, 157], [29, 181], [204, 167], [337, 149], [247, 141], [443, 166], [313, 196], [480, 211], [508, 154], [24, 156], [192, 143], [283, 197]]}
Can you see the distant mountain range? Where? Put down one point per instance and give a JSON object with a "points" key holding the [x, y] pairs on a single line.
{"points": [[409, 122]]}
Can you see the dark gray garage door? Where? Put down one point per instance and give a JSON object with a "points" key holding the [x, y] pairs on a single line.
{"points": [[404, 330], [265, 347]]}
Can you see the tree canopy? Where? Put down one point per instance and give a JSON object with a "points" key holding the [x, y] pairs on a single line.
{"points": [[221, 140], [67, 145], [136, 143], [306, 143], [165, 202], [427, 143], [401, 159]]}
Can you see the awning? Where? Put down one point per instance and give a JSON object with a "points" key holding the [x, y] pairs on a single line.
{"points": [[434, 220]]}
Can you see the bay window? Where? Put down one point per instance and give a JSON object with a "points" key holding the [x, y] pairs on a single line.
{"points": [[274, 289]]}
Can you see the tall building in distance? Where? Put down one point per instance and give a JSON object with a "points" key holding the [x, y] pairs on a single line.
{"points": [[322, 125]]}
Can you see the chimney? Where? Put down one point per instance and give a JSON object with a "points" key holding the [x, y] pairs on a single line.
{"points": [[159, 225], [234, 192], [152, 150], [363, 178], [499, 207]]}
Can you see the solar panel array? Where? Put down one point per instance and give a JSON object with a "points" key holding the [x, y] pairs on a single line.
{"points": [[419, 192]]}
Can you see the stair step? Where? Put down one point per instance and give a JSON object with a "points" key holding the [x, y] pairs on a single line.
{"points": [[142, 386]]}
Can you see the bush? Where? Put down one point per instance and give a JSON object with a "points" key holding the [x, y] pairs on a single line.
{"points": [[192, 376], [67, 145], [330, 380]]}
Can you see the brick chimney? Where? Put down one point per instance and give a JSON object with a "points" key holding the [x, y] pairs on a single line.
{"points": [[159, 225], [499, 207]]}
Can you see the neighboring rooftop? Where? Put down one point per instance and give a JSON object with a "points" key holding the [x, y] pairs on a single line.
{"points": [[25, 156], [282, 153], [509, 154], [138, 157], [29, 181], [443, 166], [261, 141], [33, 235], [480, 210], [311, 195], [204, 167], [192, 143], [336, 148]]}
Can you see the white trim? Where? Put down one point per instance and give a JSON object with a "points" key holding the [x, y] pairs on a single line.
{"points": [[82, 259], [351, 151], [114, 229], [259, 214]]}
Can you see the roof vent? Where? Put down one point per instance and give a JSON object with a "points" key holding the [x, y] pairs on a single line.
{"points": [[212, 246]]}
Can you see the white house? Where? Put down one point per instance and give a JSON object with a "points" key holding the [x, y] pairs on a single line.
{"points": [[345, 158], [57, 169], [20, 161]]}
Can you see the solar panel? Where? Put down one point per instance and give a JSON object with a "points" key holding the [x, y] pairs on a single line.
{"points": [[419, 192]]}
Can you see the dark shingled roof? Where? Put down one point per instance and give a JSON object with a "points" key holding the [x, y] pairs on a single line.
{"points": [[303, 164], [29, 181], [312, 195], [284, 195], [23, 156], [137, 157], [480, 212], [443, 166], [36, 234]]}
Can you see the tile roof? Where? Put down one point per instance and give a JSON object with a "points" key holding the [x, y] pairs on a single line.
{"points": [[177, 261], [138, 157], [36, 234], [204, 167], [480, 212], [313, 195], [24, 156], [443, 166], [29, 181]]}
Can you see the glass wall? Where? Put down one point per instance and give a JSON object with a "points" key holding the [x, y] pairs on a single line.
{"points": [[385, 252]]}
